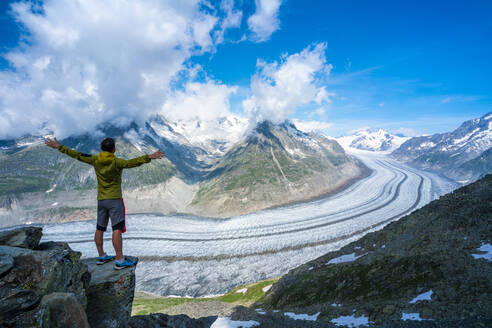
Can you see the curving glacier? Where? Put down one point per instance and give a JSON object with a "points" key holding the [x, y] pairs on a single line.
{"points": [[186, 255]]}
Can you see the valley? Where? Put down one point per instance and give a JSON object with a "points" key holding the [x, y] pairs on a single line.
{"points": [[187, 255]]}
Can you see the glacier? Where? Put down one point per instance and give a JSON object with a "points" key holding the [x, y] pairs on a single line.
{"points": [[192, 256]]}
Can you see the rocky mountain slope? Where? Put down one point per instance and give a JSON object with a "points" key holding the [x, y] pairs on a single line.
{"points": [[42, 185], [454, 154], [432, 268], [373, 140], [276, 164]]}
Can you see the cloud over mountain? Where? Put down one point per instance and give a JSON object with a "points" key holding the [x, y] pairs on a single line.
{"points": [[278, 89], [86, 62]]}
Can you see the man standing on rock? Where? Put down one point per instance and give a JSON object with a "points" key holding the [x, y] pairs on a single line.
{"points": [[109, 197]]}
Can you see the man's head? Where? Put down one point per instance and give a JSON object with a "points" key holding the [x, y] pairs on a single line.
{"points": [[108, 145]]}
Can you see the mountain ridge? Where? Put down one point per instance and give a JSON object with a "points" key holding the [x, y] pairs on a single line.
{"points": [[61, 187], [452, 153]]}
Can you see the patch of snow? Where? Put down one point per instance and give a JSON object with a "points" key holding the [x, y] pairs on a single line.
{"points": [[276, 311], [466, 137], [351, 321], [242, 290], [336, 305], [226, 322], [54, 204], [301, 316], [357, 247], [345, 258], [50, 190], [411, 316], [266, 288], [422, 297], [260, 311], [425, 145], [488, 117], [384, 246], [27, 143], [487, 248], [310, 268]]}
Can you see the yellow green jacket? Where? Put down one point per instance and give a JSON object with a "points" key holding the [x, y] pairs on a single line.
{"points": [[108, 170]]}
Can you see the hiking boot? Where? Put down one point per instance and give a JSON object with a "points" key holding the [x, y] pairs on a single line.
{"points": [[104, 259], [126, 263]]}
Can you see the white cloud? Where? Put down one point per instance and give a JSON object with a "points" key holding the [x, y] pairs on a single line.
{"points": [[90, 61], [278, 89], [232, 19], [265, 19], [381, 104], [205, 101], [310, 126], [446, 100], [408, 132]]}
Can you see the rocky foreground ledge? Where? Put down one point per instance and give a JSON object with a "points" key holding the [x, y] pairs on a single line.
{"points": [[48, 285]]}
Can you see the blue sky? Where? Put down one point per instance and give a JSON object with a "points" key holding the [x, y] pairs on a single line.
{"points": [[407, 66]]}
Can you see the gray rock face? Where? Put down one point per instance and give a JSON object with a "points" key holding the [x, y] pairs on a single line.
{"points": [[62, 310], [460, 155], [6, 263], [52, 267], [27, 237], [158, 320], [109, 295]]}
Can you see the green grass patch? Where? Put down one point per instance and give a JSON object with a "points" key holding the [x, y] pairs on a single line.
{"points": [[143, 306]]}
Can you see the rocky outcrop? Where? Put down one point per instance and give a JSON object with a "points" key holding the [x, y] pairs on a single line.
{"points": [[27, 237], [47, 285], [434, 264], [6, 263], [30, 274], [60, 310], [110, 295]]}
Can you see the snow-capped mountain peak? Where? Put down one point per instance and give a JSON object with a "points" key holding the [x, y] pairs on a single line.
{"points": [[452, 153], [373, 140], [215, 135]]}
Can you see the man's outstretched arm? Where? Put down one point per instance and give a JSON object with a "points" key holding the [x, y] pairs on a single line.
{"points": [[89, 159], [134, 162]]}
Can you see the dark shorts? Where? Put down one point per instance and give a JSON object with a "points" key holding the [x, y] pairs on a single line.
{"points": [[113, 209]]}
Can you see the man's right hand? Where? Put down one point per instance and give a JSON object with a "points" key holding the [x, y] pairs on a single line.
{"points": [[52, 143], [158, 154]]}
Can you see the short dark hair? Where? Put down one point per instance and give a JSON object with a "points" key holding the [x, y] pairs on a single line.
{"points": [[107, 144]]}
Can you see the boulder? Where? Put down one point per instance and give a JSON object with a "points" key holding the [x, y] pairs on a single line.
{"points": [[158, 320], [52, 267], [61, 310], [109, 295], [26, 237]]}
